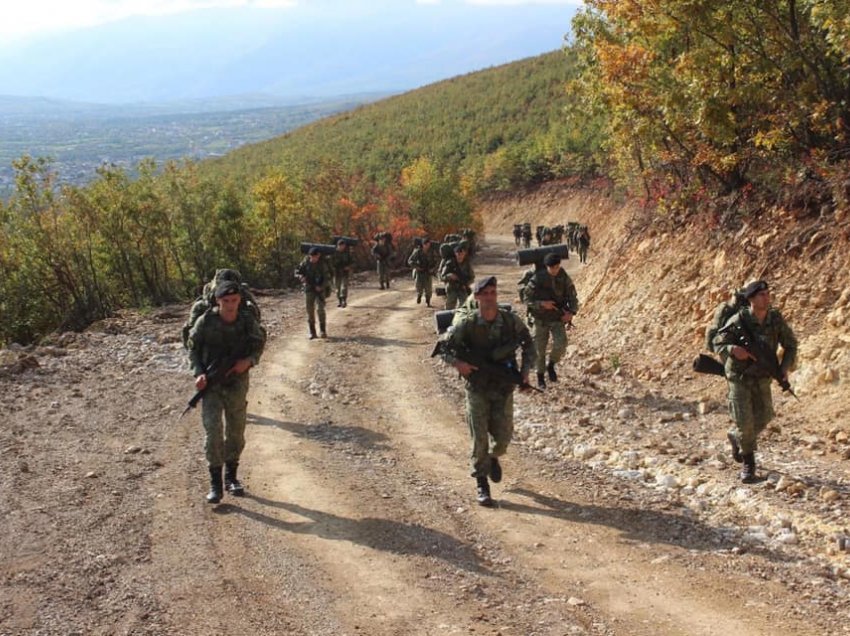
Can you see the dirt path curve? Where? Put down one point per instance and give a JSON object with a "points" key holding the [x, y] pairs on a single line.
{"points": [[361, 515]]}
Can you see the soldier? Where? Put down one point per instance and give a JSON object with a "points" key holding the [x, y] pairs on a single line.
{"points": [[546, 237], [207, 300], [457, 274], [422, 263], [382, 251], [496, 334], [517, 234], [224, 337], [583, 240], [552, 303], [750, 400], [315, 276], [341, 262], [526, 236]]}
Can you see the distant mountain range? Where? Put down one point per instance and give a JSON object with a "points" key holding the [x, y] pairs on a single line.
{"points": [[311, 51]]}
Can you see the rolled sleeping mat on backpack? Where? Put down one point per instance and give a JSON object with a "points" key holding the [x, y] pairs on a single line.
{"points": [[348, 240], [537, 254], [440, 291], [443, 319], [323, 249]]}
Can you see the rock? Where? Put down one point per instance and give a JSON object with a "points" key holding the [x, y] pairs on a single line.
{"points": [[91, 474], [783, 483], [625, 414], [829, 495], [584, 451], [841, 437], [575, 602], [132, 450], [667, 481], [594, 368]]}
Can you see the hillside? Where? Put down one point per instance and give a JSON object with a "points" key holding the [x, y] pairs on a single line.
{"points": [[457, 123]]}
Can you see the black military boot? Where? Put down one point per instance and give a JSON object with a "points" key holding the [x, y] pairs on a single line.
{"points": [[312, 331], [736, 449], [541, 381], [495, 470], [419, 300], [216, 487], [323, 331], [748, 473], [231, 483], [427, 301], [483, 497], [550, 368]]}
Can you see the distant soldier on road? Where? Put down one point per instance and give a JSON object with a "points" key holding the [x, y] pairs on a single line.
{"points": [[495, 334], [383, 251], [526, 235], [457, 274], [315, 276], [583, 240], [422, 264], [517, 234], [231, 342], [341, 264]]}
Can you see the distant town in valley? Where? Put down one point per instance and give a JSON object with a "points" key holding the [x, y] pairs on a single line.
{"points": [[78, 139]]}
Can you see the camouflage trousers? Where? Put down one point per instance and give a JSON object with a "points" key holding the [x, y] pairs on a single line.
{"points": [[225, 436], [541, 331], [751, 408], [341, 285], [582, 253], [315, 304], [456, 295], [383, 273], [423, 283], [490, 416]]}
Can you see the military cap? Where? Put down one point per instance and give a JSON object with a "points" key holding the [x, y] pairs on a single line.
{"points": [[481, 283], [313, 251], [460, 247], [754, 288], [226, 287], [551, 259]]}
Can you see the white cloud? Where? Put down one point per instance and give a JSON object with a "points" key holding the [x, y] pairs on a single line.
{"points": [[20, 19]]}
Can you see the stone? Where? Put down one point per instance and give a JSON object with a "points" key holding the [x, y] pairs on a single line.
{"points": [[594, 368]]}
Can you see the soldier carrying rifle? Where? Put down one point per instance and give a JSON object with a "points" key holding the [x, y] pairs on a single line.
{"points": [[492, 335], [747, 344]]}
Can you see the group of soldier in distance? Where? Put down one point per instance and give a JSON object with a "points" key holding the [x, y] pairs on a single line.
{"points": [[478, 336]]}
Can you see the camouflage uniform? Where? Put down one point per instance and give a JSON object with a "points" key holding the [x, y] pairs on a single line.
{"points": [[382, 252], [489, 401], [750, 400], [560, 289], [341, 261], [207, 300], [210, 340], [583, 241], [316, 278], [456, 289], [422, 265]]}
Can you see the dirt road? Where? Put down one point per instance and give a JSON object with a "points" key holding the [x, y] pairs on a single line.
{"points": [[360, 516]]}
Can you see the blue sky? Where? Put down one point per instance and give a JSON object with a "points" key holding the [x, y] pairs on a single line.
{"points": [[23, 19]]}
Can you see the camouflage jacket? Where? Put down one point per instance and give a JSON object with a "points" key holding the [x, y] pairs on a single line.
{"points": [[341, 262], [421, 261], [774, 331], [211, 339], [463, 271], [544, 287], [496, 341], [316, 278]]}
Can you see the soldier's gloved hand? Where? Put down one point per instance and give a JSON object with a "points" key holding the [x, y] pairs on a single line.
{"points": [[739, 353], [201, 382]]}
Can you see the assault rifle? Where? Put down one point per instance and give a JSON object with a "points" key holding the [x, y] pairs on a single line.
{"points": [[765, 356], [217, 372], [506, 372]]}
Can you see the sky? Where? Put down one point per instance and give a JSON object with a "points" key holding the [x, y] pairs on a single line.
{"points": [[20, 20]]}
